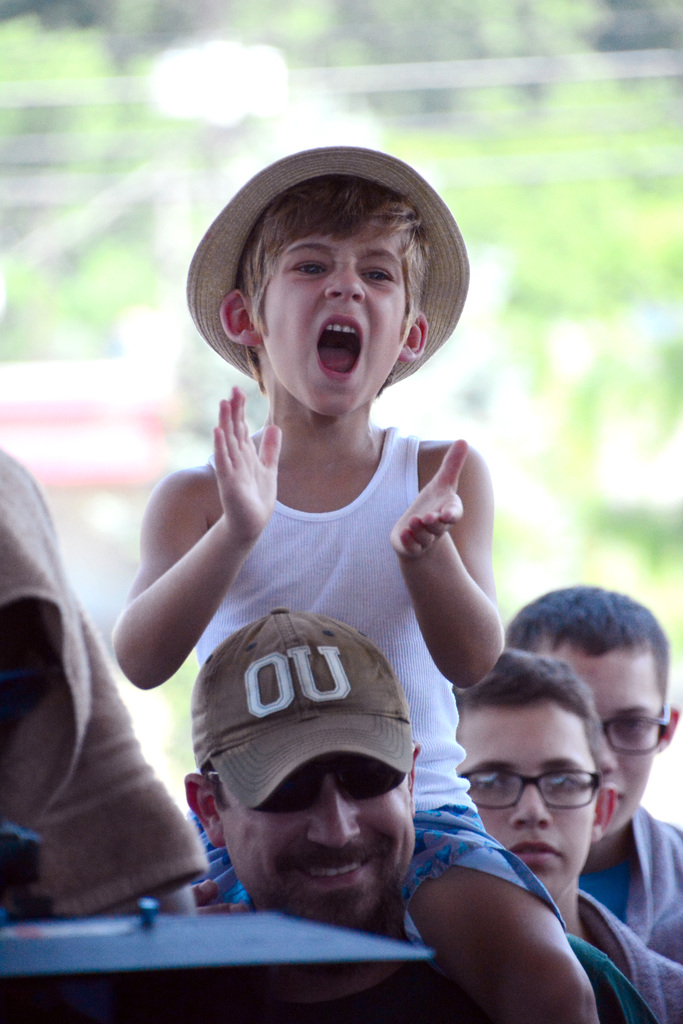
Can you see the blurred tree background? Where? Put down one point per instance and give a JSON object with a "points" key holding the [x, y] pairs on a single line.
{"points": [[555, 132]]}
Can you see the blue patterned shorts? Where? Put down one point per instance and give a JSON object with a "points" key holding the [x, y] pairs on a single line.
{"points": [[454, 836]]}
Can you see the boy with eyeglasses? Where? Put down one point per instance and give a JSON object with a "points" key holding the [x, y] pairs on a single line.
{"points": [[618, 647], [534, 746]]}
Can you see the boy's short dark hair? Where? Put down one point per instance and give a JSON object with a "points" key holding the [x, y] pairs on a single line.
{"points": [[593, 620], [337, 205], [520, 679]]}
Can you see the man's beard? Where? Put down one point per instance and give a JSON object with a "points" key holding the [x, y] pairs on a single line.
{"points": [[380, 911], [383, 916]]}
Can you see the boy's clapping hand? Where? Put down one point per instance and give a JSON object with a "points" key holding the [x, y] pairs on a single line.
{"points": [[436, 508], [246, 476]]}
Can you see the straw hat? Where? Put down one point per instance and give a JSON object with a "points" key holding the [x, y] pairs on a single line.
{"points": [[214, 266]]}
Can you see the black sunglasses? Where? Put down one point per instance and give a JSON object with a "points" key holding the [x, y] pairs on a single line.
{"points": [[360, 777]]}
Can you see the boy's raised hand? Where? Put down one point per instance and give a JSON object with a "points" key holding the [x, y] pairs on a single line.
{"points": [[436, 508], [246, 477]]}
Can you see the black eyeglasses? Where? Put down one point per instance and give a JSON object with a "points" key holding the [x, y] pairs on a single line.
{"points": [[635, 735], [361, 777], [499, 789]]}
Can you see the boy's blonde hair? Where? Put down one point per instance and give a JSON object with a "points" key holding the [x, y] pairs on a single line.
{"points": [[339, 206]]}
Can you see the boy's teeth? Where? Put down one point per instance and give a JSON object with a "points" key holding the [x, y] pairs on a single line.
{"points": [[339, 347]]}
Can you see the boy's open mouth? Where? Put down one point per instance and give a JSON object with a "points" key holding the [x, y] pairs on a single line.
{"points": [[339, 347]]}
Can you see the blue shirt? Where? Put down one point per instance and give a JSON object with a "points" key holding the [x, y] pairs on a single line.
{"points": [[609, 887]]}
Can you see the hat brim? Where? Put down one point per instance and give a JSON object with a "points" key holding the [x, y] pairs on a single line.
{"points": [[253, 771], [214, 266]]}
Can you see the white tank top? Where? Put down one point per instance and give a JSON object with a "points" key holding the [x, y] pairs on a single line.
{"points": [[341, 564]]}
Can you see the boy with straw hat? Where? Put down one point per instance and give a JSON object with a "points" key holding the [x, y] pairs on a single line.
{"points": [[332, 274]]}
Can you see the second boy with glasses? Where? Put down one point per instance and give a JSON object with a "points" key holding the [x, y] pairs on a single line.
{"points": [[534, 749], [618, 647]]}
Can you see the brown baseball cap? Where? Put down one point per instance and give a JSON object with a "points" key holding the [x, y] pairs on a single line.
{"points": [[291, 687]]}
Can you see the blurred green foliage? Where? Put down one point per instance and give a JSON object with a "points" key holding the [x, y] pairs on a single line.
{"points": [[572, 189]]}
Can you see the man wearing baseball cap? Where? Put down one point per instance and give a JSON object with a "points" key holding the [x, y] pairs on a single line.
{"points": [[302, 738], [289, 710]]}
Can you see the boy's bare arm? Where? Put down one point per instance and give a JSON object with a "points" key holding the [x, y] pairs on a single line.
{"points": [[443, 543], [197, 531]]}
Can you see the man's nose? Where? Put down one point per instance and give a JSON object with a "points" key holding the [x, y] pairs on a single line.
{"points": [[531, 807], [333, 818]]}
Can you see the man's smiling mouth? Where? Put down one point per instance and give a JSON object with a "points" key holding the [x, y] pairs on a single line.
{"points": [[344, 869], [339, 347]]}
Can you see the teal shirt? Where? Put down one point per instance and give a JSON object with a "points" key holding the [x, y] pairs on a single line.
{"points": [[617, 1000], [609, 887]]}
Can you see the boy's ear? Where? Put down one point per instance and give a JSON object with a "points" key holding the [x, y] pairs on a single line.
{"points": [[415, 341], [670, 729], [199, 794], [605, 806], [235, 312]]}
